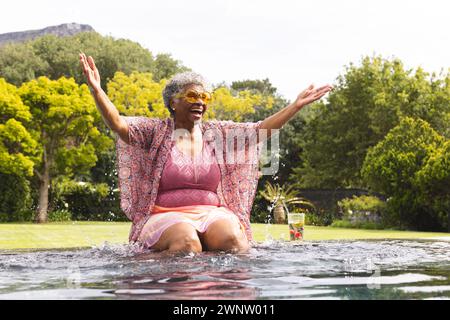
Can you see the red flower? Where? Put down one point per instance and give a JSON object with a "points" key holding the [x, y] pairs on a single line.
{"points": [[297, 235]]}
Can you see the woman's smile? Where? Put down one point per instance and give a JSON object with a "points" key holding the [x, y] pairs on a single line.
{"points": [[197, 112]]}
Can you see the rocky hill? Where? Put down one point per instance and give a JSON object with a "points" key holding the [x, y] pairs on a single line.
{"points": [[66, 29]]}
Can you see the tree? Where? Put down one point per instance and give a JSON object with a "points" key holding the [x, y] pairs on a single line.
{"points": [[263, 87], [433, 179], [18, 151], [406, 165], [165, 67], [236, 106], [56, 57], [137, 95], [17, 146], [19, 63], [64, 118], [367, 102]]}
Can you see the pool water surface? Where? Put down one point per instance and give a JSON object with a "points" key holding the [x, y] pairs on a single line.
{"points": [[379, 269]]}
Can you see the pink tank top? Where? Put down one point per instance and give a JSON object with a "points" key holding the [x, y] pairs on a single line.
{"points": [[186, 181]]}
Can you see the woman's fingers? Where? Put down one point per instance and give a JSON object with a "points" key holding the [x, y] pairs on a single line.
{"points": [[83, 66], [312, 94], [84, 63], [316, 91], [325, 87], [87, 64], [91, 62], [322, 90]]}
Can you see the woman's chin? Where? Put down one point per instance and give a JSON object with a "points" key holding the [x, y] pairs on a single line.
{"points": [[196, 118]]}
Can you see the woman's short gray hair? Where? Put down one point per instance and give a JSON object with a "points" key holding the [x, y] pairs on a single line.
{"points": [[178, 82]]}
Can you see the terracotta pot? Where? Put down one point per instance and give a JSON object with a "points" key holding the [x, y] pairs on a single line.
{"points": [[279, 215]]}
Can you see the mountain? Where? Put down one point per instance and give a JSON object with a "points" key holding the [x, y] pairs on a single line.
{"points": [[66, 29]]}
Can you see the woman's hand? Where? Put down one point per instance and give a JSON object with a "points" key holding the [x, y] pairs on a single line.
{"points": [[311, 94], [90, 72], [109, 112], [277, 120]]}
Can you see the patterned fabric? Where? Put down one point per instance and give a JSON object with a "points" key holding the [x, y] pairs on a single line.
{"points": [[198, 216], [189, 181], [140, 166]]}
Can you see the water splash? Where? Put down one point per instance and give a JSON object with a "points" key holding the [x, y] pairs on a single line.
{"points": [[277, 270]]}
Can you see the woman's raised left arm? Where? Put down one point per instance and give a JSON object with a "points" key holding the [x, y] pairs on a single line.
{"points": [[277, 120]]}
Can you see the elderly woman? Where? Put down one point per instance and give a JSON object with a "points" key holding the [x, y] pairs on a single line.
{"points": [[176, 186]]}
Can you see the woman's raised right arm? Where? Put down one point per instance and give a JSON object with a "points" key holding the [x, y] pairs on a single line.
{"points": [[109, 112]]}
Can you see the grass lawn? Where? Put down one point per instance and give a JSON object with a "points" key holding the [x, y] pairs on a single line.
{"points": [[87, 234]]}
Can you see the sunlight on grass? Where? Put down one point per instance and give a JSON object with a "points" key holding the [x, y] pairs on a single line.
{"points": [[281, 232], [88, 234]]}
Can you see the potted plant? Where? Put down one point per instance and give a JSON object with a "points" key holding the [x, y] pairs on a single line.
{"points": [[281, 196]]}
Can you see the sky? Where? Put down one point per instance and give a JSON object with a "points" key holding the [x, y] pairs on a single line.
{"points": [[293, 43]]}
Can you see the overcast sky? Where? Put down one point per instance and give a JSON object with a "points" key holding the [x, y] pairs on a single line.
{"points": [[293, 43]]}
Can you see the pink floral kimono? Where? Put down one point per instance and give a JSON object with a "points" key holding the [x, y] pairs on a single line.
{"points": [[141, 163]]}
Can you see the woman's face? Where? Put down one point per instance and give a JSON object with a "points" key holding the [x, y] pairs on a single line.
{"points": [[189, 105]]}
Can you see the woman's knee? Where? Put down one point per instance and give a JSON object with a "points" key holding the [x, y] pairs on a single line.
{"points": [[226, 236], [179, 237], [186, 243], [234, 241]]}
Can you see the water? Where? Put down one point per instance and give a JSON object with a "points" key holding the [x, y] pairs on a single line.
{"points": [[394, 269]]}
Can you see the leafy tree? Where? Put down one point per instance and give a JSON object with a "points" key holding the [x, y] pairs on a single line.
{"points": [[19, 63], [64, 118], [433, 180], [56, 57], [367, 102], [137, 95], [17, 146], [263, 87], [18, 151], [165, 67], [236, 106], [397, 166]]}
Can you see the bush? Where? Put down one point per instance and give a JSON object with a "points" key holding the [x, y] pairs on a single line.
{"points": [[260, 211], [363, 210], [59, 216], [15, 198], [87, 201], [20, 216], [358, 224], [411, 166], [319, 217]]}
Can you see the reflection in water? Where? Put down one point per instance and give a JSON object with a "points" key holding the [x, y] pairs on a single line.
{"points": [[394, 269], [187, 285]]}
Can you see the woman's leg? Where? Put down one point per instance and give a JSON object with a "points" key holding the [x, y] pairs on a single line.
{"points": [[179, 237], [225, 235]]}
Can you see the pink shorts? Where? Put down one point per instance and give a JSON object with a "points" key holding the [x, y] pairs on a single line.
{"points": [[198, 216]]}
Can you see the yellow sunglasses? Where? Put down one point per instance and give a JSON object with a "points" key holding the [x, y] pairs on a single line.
{"points": [[192, 96]]}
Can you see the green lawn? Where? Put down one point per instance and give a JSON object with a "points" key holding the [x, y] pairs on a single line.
{"points": [[87, 234]]}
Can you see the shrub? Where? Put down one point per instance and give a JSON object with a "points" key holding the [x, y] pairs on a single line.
{"points": [[358, 224], [410, 165], [260, 210], [363, 210], [15, 198], [319, 217], [87, 201], [20, 216], [59, 216]]}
